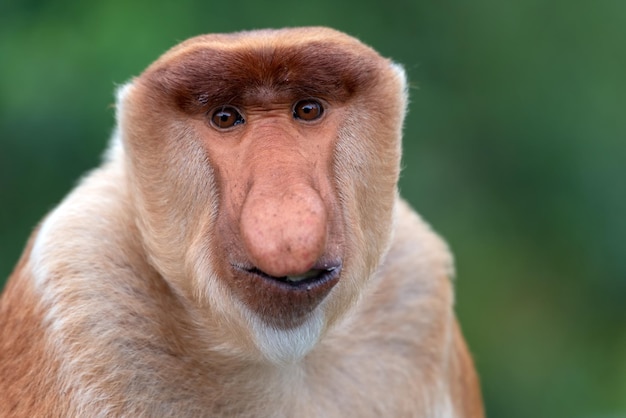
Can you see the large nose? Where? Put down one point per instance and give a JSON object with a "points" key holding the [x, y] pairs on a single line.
{"points": [[284, 225]]}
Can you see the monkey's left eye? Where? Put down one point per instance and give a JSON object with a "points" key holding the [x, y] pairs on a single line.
{"points": [[308, 110], [226, 117]]}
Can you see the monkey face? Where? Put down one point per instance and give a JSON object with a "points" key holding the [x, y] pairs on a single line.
{"points": [[265, 171]]}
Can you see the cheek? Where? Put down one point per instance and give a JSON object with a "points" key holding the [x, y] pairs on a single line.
{"points": [[175, 197], [367, 171]]}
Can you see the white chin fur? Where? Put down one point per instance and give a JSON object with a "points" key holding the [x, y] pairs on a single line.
{"points": [[284, 346]]}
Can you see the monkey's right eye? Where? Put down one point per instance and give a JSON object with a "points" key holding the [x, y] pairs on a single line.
{"points": [[225, 117]]}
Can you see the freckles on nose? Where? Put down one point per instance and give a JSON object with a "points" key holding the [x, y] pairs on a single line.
{"points": [[284, 235]]}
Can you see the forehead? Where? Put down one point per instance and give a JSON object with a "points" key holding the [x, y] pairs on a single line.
{"points": [[253, 67]]}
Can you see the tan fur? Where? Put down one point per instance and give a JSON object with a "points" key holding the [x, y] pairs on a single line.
{"points": [[158, 286]]}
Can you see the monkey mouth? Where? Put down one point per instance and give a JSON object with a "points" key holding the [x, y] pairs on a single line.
{"points": [[286, 301], [306, 281]]}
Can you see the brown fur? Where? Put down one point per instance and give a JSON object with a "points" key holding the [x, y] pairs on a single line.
{"points": [[27, 369], [157, 288]]}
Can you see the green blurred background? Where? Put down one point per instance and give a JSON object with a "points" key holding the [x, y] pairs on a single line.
{"points": [[515, 151]]}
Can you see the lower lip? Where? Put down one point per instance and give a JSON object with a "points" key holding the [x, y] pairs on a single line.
{"points": [[307, 284]]}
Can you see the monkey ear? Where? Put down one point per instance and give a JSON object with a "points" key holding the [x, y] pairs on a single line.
{"points": [[114, 150], [401, 74], [121, 92], [404, 89]]}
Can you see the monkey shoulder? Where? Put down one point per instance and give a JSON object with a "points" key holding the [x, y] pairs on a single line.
{"points": [[417, 253], [412, 284]]}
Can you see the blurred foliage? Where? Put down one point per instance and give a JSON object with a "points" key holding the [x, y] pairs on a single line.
{"points": [[515, 151]]}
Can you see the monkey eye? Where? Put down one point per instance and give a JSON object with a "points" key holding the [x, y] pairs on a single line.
{"points": [[225, 117], [308, 110]]}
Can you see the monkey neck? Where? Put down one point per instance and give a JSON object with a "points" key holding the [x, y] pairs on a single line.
{"points": [[168, 342]]}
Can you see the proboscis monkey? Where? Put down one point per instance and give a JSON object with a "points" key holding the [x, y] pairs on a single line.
{"points": [[242, 251]]}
